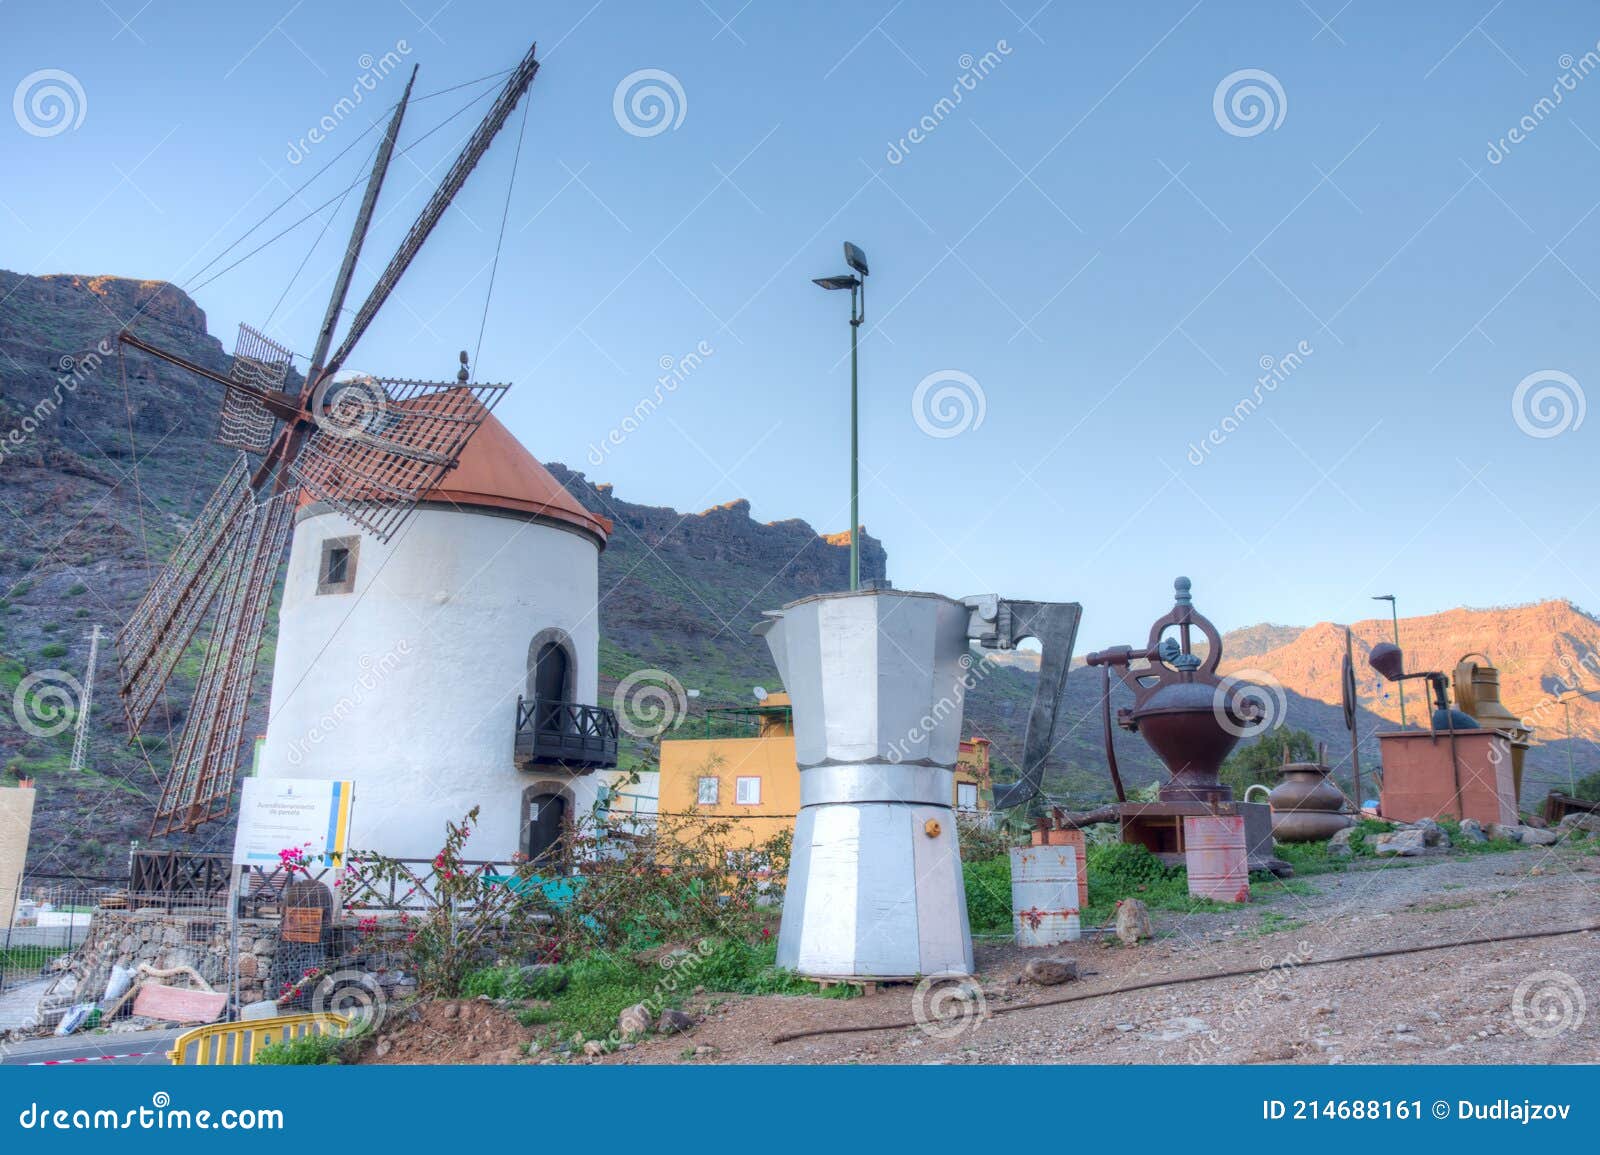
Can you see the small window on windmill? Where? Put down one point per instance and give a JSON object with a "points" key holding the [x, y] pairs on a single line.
{"points": [[337, 573], [747, 792], [707, 795]]}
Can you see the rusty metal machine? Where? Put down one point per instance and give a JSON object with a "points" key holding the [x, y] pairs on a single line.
{"points": [[1478, 693], [1192, 719]]}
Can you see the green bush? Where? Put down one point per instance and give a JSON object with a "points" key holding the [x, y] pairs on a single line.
{"points": [[988, 887], [306, 1051], [53, 650], [515, 983]]}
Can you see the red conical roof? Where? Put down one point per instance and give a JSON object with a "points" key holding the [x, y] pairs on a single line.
{"points": [[495, 471]]}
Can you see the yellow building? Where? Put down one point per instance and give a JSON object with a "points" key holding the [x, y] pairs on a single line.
{"points": [[16, 822], [745, 768]]}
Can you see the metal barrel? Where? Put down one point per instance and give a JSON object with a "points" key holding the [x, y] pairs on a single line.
{"points": [[1216, 857], [1044, 895], [1076, 839]]}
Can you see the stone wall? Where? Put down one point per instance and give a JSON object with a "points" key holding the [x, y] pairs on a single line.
{"points": [[162, 940]]}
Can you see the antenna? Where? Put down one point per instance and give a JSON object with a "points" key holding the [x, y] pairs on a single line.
{"points": [[80, 740]]}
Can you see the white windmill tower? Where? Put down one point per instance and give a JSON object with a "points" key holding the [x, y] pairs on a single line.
{"points": [[437, 571]]}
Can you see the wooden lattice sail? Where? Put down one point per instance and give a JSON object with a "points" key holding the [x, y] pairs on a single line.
{"points": [[380, 445], [160, 628], [263, 364], [200, 785]]}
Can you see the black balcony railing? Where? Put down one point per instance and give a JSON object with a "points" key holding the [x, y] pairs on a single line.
{"points": [[568, 733]]}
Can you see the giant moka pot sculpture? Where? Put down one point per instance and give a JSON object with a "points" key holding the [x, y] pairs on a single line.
{"points": [[877, 679]]}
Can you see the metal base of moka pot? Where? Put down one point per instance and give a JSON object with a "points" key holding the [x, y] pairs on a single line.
{"points": [[877, 679]]}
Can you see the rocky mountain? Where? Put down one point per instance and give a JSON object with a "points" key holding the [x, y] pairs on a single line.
{"points": [[103, 461], [1541, 650]]}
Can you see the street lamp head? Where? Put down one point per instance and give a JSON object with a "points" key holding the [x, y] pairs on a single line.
{"points": [[1383, 597], [844, 282], [855, 258]]}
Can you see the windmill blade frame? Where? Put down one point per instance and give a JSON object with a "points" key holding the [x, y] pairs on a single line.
{"points": [[259, 362], [375, 457], [153, 639], [199, 786]]}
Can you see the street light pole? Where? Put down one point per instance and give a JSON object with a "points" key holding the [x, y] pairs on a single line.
{"points": [[857, 285], [856, 314], [1394, 615]]}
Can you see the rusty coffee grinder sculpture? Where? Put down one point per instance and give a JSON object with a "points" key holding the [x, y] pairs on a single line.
{"points": [[1192, 719]]}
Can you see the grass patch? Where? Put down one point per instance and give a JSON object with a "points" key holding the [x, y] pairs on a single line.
{"points": [[1273, 922], [599, 987]]}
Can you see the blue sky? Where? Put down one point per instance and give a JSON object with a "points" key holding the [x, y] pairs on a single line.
{"points": [[1081, 237]]}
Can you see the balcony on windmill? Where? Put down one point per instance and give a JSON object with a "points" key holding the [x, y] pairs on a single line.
{"points": [[569, 734]]}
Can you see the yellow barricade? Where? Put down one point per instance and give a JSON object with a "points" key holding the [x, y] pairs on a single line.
{"points": [[235, 1044]]}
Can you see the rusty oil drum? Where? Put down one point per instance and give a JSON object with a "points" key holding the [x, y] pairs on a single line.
{"points": [[1044, 895], [1217, 858]]}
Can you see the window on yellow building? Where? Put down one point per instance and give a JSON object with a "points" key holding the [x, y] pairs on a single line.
{"points": [[707, 795], [966, 795], [747, 792]]}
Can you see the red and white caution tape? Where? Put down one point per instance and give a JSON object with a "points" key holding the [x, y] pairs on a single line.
{"points": [[91, 1059]]}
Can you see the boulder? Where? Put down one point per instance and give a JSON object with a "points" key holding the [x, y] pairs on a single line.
{"points": [[1508, 833], [674, 1022], [594, 1048], [1532, 836], [1589, 822], [1403, 843], [1133, 921], [1472, 831], [1050, 972], [1536, 821], [1432, 833], [1341, 837], [634, 1020]]}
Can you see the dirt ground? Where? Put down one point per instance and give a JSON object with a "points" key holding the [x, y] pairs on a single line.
{"points": [[463, 1032], [1454, 1006]]}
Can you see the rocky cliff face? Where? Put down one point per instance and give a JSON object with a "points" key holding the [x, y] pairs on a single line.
{"points": [[1541, 650], [99, 474]]}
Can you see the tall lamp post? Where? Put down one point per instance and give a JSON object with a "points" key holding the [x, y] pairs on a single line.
{"points": [[857, 260], [1394, 615]]}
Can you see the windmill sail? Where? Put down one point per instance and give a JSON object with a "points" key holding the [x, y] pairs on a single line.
{"points": [[161, 626], [381, 445], [200, 784], [262, 363]]}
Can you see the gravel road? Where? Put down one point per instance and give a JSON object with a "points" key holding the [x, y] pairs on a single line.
{"points": [[1459, 1005]]}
